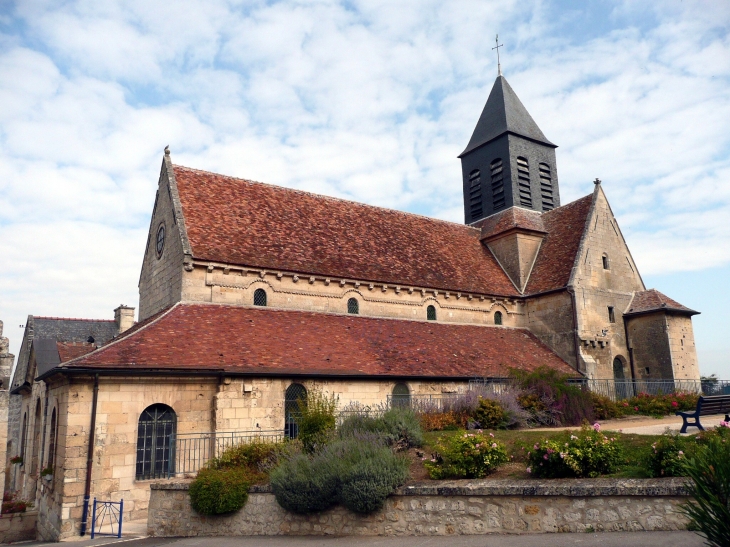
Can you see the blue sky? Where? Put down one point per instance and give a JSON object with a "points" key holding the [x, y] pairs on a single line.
{"points": [[367, 100]]}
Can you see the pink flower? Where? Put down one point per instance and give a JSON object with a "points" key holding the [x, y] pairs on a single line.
{"points": [[636, 408], [680, 452], [562, 455], [537, 446], [491, 435], [545, 457], [480, 431], [494, 445], [675, 404], [597, 426], [573, 437], [529, 469]]}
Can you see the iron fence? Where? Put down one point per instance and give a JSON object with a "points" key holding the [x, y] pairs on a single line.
{"points": [[106, 518], [191, 451]]}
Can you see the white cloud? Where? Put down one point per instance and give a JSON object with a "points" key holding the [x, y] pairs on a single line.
{"points": [[369, 100]]}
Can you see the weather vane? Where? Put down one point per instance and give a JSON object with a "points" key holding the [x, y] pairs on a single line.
{"points": [[499, 66]]}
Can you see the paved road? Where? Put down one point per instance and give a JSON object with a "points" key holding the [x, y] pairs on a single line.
{"points": [[607, 539]]}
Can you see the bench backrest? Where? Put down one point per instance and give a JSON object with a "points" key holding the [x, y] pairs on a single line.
{"points": [[714, 404]]}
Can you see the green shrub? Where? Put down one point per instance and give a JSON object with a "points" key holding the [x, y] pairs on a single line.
{"points": [[367, 484], [316, 419], [667, 456], [490, 414], [399, 426], [256, 457], [219, 491], [359, 472], [466, 456], [709, 471], [302, 485], [588, 454]]}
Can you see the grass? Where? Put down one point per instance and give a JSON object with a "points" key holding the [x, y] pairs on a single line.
{"points": [[634, 448]]}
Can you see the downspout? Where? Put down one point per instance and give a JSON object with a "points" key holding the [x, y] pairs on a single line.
{"points": [[630, 349], [90, 457], [576, 341]]}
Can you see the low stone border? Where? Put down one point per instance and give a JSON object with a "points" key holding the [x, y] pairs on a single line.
{"points": [[443, 508], [18, 526]]}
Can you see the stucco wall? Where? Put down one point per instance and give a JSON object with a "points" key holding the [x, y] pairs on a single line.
{"points": [[442, 509]]}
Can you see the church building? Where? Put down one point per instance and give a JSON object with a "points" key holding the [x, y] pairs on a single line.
{"points": [[252, 294]]}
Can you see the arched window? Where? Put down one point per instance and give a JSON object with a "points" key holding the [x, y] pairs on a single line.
{"points": [[431, 313], [155, 433], [401, 395], [475, 195], [259, 297], [546, 187], [498, 318], [36, 439], [523, 181], [618, 369], [606, 262], [497, 175], [353, 306], [52, 435], [294, 394]]}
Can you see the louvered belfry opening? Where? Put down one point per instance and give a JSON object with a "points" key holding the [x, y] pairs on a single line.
{"points": [[497, 173], [155, 453], [523, 181], [475, 194], [546, 187]]}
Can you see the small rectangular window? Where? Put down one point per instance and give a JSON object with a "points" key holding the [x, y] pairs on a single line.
{"points": [[611, 315]]}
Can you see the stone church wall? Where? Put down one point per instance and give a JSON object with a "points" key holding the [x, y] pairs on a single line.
{"points": [[550, 318], [682, 347], [650, 342], [6, 364], [599, 286], [160, 282], [236, 286]]}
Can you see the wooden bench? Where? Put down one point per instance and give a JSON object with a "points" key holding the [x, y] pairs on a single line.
{"points": [[706, 406]]}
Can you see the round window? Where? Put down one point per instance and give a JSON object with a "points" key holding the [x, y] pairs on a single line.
{"points": [[160, 245]]}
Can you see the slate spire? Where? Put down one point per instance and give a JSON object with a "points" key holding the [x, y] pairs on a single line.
{"points": [[509, 161]]}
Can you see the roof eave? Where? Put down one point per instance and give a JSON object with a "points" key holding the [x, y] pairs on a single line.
{"points": [[508, 132]]}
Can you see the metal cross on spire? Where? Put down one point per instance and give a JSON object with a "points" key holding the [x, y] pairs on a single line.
{"points": [[499, 66]]}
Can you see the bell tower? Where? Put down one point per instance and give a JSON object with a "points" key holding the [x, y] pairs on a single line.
{"points": [[508, 162]]}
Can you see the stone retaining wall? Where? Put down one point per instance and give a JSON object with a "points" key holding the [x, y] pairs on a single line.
{"points": [[443, 508], [18, 526]]}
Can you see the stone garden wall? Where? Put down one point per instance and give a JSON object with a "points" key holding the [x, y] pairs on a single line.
{"points": [[18, 526], [444, 508]]}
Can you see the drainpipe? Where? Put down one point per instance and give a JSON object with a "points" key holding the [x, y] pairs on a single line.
{"points": [[90, 457]]}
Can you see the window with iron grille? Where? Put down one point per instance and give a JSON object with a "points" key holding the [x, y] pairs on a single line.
{"points": [[401, 395], [155, 453], [498, 318], [475, 194], [294, 394], [431, 313], [353, 306], [259, 297], [497, 175], [523, 182]]}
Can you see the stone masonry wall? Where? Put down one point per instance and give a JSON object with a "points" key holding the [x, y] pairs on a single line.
{"points": [[597, 288], [6, 363], [682, 346], [443, 508], [236, 286], [16, 527]]}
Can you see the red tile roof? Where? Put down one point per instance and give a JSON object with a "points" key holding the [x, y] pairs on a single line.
{"points": [[72, 350], [238, 221], [239, 339], [565, 226], [511, 219], [653, 300]]}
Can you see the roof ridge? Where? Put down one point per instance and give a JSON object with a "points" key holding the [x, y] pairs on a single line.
{"points": [[72, 319], [326, 197]]}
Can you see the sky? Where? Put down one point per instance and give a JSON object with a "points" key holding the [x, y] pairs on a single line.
{"points": [[366, 100]]}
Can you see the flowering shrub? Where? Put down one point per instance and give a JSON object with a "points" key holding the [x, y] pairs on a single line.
{"points": [[643, 404], [588, 454], [668, 455], [466, 456], [439, 421]]}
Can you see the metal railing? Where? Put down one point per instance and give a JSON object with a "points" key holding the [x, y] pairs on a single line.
{"points": [[107, 515], [191, 451]]}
